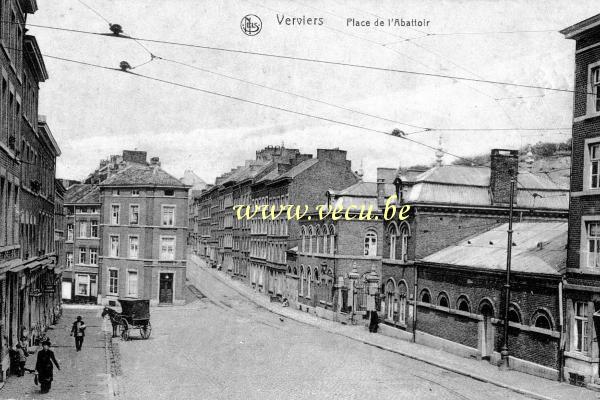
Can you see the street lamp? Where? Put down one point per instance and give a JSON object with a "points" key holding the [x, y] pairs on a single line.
{"points": [[504, 352]]}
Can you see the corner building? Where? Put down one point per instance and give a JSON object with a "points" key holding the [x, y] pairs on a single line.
{"points": [[143, 230]]}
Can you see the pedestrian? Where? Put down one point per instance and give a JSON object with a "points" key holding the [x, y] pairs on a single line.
{"points": [[44, 370], [22, 356], [78, 330], [374, 322]]}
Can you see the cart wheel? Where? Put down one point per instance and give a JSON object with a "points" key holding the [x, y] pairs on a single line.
{"points": [[146, 330], [124, 329]]}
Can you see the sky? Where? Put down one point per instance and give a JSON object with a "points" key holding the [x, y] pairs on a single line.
{"points": [[95, 112]]}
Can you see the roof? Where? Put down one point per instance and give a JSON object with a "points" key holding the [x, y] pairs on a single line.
{"points": [[539, 248], [142, 175], [298, 169], [572, 31], [470, 186], [82, 193], [359, 189]]}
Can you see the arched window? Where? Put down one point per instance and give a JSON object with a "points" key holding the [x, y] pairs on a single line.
{"points": [[463, 304], [425, 296], [514, 315], [401, 308], [332, 239], [302, 280], [310, 239], [316, 275], [303, 235], [289, 270], [442, 300], [295, 271], [325, 239], [308, 281], [370, 244], [404, 233], [542, 320], [486, 308], [390, 297], [318, 240], [393, 236]]}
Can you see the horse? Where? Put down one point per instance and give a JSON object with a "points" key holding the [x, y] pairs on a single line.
{"points": [[114, 319]]}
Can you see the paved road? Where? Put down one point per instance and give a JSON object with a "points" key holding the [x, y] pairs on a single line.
{"points": [[82, 375], [224, 347]]}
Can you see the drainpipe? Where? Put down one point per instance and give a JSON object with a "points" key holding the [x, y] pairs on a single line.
{"points": [[560, 330], [415, 306]]}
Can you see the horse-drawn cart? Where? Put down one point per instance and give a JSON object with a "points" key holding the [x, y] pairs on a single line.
{"points": [[135, 314]]}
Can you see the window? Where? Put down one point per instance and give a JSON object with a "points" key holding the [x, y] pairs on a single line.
{"points": [[134, 214], [69, 260], [115, 214], [113, 281], [94, 256], [83, 229], [404, 243], [69, 232], [83, 285], [94, 229], [581, 327], [593, 239], [371, 244], [169, 192], [134, 242], [167, 248], [393, 240], [514, 316], [132, 283], [443, 300], [595, 166], [463, 305], [391, 301], [135, 192], [82, 255], [596, 87], [116, 192], [542, 321], [114, 246], [425, 296], [168, 215]]}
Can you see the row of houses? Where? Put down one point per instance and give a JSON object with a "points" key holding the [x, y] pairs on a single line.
{"points": [[126, 233], [441, 272], [31, 233]]}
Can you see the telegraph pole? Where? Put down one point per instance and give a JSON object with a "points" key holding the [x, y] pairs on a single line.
{"points": [[504, 351]]}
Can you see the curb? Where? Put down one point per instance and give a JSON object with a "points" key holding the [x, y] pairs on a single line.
{"points": [[411, 356]]}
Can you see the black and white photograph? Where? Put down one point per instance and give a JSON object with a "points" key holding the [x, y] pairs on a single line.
{"points": [[299, 199]]}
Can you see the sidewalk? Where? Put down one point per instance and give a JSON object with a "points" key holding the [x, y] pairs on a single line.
{"points": [[518, 382], [82, 374]]}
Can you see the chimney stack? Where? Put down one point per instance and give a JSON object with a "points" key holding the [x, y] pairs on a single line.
{"points": [[504, 166], [155, 161]]}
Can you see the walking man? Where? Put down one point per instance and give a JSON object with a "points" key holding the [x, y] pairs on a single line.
{"points": [[78, 331], [44, 373]]}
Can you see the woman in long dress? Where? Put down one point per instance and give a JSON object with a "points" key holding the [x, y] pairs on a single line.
{"points": [[44, 368]]}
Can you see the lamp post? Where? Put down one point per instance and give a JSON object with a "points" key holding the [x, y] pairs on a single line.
{"points": [[504, 352]]}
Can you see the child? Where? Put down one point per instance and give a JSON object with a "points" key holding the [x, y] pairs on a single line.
{"points": [[22, 353]]}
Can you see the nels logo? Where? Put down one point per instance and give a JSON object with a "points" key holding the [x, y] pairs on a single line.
{"points": [[251, 25]]}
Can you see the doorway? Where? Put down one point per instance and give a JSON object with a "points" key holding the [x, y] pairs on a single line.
{"points": [[165, 292]]}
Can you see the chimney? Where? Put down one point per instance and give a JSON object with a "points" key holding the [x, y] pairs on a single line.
{"points": [[504, 166], [134, 156], [155, 161], [300, 158], [333, 155]]}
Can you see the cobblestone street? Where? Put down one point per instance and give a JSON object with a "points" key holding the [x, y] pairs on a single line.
{"points": [[224, 347], [82, 374]]}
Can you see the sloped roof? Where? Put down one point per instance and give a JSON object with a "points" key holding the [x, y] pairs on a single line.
{"points": [[360, 189], [142, 175], [82, 193], [470, 186], [298, 169], [488, 250]]}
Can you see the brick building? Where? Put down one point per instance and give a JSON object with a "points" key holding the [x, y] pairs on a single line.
{"points": [[82, 246], [143, 234], [28, 151], [582, 289]]}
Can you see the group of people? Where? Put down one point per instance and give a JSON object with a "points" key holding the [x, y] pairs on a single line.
{"points": [[44, 366]]}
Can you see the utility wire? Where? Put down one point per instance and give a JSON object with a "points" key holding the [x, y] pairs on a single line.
{"points": [[312, 60]]}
